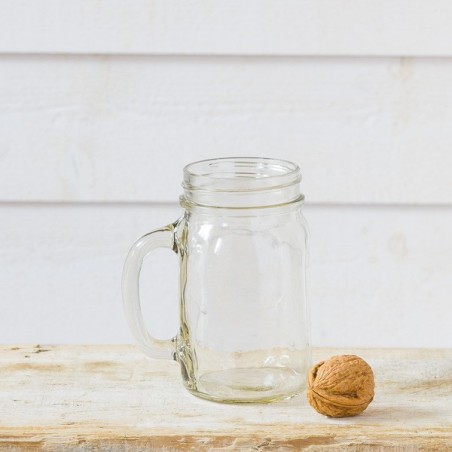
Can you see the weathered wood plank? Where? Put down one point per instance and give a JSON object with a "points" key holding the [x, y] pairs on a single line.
{"points": [[112, 397], [363, 130], [254, 27], [385, 270]]}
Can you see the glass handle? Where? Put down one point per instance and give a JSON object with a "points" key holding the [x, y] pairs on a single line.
{"points": [[160, 238]]}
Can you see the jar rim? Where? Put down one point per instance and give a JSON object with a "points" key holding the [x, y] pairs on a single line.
{"points": [[240, 174]]}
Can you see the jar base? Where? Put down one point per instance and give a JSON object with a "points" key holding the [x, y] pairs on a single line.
{"points": [[250, 385]]}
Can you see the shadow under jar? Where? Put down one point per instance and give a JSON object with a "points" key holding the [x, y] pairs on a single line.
{"points": [[242, 242]]}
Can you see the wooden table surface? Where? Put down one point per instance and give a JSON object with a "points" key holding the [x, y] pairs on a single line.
{"points": [[113, 398]]}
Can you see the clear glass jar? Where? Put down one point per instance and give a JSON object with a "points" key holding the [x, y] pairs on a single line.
{"points": [[242, 242]]}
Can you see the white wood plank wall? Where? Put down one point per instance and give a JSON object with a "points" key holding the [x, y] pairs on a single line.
{"points": [[101, 105]]}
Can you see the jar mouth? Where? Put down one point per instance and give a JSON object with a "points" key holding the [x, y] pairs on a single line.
{"points": [[240, 174], [241, 183]]}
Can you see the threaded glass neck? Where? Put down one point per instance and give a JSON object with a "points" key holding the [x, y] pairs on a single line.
{"points": [[241, 182]]}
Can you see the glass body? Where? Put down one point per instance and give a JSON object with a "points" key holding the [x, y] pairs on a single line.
{"points": [[242, 242]]}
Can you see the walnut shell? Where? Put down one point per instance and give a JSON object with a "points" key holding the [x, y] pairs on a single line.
{"points": [[341, 386]]}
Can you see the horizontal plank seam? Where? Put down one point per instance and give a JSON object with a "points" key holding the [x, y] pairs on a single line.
{"points": [[393, 205], [362, 55]]}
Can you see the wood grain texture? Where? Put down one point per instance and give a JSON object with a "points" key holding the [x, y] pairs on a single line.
{"points": [[254, 27], [113, 398], [78, 128]]}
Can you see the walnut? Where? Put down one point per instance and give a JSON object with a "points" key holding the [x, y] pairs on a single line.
{"points": [[341, 386]]}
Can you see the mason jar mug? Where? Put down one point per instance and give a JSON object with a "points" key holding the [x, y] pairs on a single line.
{"points": [[242, 246]]}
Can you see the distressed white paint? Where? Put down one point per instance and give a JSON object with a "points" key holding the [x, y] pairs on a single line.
{"points": [[380, 276], [113, 398], [258, 27], [120, 128], [85, 119]]}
